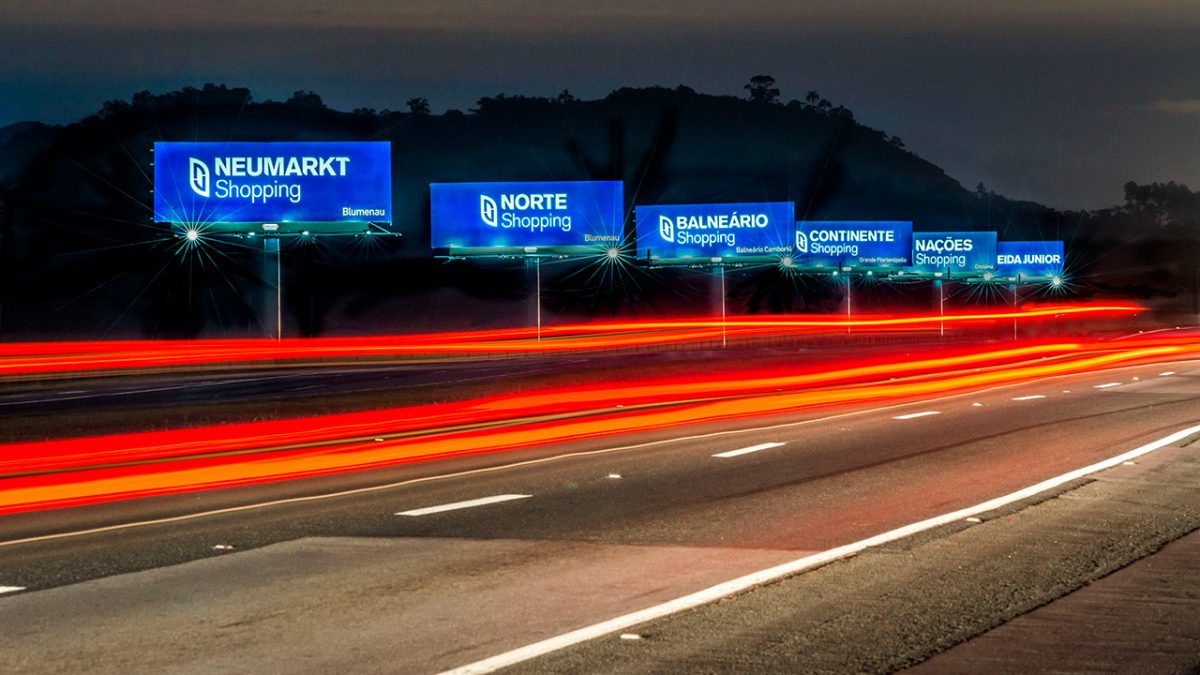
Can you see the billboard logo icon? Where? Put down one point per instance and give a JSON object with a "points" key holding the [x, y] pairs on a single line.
{"points": [[198, 177], [801, 242], [666, 228], [487, 210]]}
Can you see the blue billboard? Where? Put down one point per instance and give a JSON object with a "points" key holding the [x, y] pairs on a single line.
{"points": [[854, 243], [954, 252], [562, 215], [746, 230], [201, 183], [1029, 258]]}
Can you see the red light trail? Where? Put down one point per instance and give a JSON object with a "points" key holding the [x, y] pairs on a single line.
{"points": [[37, 358], [79, 471]]}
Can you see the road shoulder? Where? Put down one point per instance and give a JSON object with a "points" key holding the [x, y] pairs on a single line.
{"points": [[894, 606]]}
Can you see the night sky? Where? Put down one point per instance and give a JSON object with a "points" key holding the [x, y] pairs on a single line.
{"points": [[1059, 102]]}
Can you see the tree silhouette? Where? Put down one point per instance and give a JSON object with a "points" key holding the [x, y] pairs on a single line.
{"points": [[306, 99], [418, 106], [1162, 204], [762, 89], [812, 97]]}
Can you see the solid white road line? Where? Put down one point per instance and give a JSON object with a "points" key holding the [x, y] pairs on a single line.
{"points": [[482, 501], [11, 589], [1108, 385], [1029, 398], [553, 458], [746, 451], [911, 416], [770, 574]]}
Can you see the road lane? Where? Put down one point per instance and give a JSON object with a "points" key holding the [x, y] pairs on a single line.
{"points": [[28, 359], [831, 481], [893, 605], [347, 605], [76, 471], [121, 403], [821, 439]]}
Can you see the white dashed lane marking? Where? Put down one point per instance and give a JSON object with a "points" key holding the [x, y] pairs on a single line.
{"points": [[911, 416], [470, 503], [746, 451]]}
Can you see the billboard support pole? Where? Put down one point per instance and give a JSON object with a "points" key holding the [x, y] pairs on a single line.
{"points": [[538, 272], [848, 304], [724, 338], [941, 308], [278, 295], [271, 260], [1013, 288], [533, 304]]}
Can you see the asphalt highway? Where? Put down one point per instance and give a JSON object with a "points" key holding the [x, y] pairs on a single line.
{"points": [[431, 566], [90, 404]]}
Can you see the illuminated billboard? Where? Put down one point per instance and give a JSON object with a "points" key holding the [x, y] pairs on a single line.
{"points": [[706, 231], [854, 243], [1029, 258], [220, 183], [562, 216], [954, 252]]}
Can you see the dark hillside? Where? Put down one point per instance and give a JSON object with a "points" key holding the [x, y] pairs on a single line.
{"points": [[86, 260]]}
